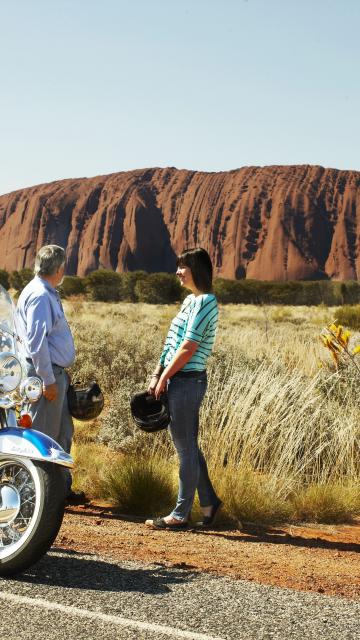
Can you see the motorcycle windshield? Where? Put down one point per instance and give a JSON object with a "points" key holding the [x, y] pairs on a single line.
{"points": [[8, 332]]}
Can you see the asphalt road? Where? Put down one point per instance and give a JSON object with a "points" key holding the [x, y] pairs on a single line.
{"points": [[70, 595]]}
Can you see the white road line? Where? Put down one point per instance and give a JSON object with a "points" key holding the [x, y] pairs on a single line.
{"points": [[97, 615]]}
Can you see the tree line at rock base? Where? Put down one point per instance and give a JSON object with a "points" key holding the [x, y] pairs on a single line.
{"points": [[164, 288]]}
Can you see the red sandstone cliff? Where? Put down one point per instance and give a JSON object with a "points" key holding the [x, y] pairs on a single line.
{"points": [[268, 223]]}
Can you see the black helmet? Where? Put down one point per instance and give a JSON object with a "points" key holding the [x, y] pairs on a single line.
{"points": [[148, 413], [85, 403]]}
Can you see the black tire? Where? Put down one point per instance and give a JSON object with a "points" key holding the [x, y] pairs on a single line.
{"points": [[35, 493]]}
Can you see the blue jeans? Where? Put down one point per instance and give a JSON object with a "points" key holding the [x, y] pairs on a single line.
{"points": [[185, 395]]}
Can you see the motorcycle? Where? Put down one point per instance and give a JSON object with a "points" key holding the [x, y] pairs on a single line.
{"points": [[32, 465]]}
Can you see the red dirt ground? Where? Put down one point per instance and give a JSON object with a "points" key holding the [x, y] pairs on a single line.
{"points": [[324, 559]]}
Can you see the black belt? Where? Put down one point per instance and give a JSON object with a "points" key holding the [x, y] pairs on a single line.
{"points": [[190, 374], [53, 364]]}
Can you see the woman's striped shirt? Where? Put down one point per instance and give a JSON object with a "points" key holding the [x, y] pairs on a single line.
{"points": [[196, 321]]}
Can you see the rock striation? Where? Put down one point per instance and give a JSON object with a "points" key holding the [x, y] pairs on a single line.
{"points": [[267, 223]]}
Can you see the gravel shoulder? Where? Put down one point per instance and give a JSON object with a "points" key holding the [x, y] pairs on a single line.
{"points": [[318, 559]]}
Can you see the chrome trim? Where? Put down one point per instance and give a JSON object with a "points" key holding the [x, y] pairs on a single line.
{"points": [[34, 445], [10, 372], [9, 504], [31, 389]]}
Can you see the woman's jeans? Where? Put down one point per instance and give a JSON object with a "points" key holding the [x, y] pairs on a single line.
{"points": [[185, 395]]}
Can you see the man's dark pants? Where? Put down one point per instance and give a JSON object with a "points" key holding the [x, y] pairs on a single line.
{"points": [[53, 418]]}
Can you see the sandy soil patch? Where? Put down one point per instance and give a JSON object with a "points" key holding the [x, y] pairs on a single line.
{"points": [[324, 559]]}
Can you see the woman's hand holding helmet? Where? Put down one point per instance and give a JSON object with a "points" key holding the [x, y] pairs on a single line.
{"points": [[155, 379], [153, 384], [160, 387]]}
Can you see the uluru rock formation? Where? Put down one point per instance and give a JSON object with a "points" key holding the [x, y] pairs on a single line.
{"points": [[267, 223]]}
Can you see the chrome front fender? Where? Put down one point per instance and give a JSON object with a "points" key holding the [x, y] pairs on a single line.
{"points": [[33, 444]]}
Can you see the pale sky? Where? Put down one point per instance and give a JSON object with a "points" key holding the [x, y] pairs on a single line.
{"points": [[92, 87]]}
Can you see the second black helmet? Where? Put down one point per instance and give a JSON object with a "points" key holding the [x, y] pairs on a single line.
{"points": [[148, 413], [85, 403]]}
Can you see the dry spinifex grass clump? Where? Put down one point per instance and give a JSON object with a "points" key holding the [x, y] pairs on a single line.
{"points": [[280, 434]]}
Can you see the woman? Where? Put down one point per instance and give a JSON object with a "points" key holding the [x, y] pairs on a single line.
{"points": [[182, 369]]}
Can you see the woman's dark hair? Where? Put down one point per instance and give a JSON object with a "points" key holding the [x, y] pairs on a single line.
{"points": [[199, 263]]}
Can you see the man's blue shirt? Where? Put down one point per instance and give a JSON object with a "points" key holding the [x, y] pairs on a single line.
{"points": [[44, 329]]}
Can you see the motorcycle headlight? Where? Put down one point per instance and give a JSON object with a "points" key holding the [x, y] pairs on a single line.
{"points": [[31, 389], [10, 372]]}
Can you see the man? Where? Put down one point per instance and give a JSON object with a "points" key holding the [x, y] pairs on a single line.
{"points": [[49, 348]]}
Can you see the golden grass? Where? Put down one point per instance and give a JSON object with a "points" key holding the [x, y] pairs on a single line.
{"points": [[140, 485], [274, 424], [91, 464], [327, 503]]}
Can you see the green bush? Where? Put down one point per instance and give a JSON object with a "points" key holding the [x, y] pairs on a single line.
{"points": [[4, 279], [164, 288], [19, 279], [348, 315], [72, 286], [300, 292], [104, 285], [129, 281], [158, 288], [350, 292], [326, 292], [234, 291]]}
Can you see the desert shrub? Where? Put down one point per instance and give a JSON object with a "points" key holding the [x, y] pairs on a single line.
{"points": [[286, 293], [129, 281], [254, 497], [282, 293], [327, 503], [91, 462], [258, 292], [350, 292], [281, 314], [141, 485], [299, 292], [104, 285], [158, 288], [86, 432], [113, 358], [348, 315], [278, 422], [284, 314], [19, 279], [4, 279], [272, 423], [72, 286], [117, 429], [162, 288], [233, 291]]}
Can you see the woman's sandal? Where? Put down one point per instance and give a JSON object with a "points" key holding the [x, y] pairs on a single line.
{"points": [[208, 521], [160, 523]]}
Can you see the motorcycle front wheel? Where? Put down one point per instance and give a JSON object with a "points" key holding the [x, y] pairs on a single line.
{"points": [[32, 500]]}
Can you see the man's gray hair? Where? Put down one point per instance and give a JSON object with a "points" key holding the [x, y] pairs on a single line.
{"points": [[49, 260]]}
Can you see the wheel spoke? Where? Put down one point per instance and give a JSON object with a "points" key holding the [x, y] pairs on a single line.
{"points": [[20, 478], [21, 487], [29, 500]]}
